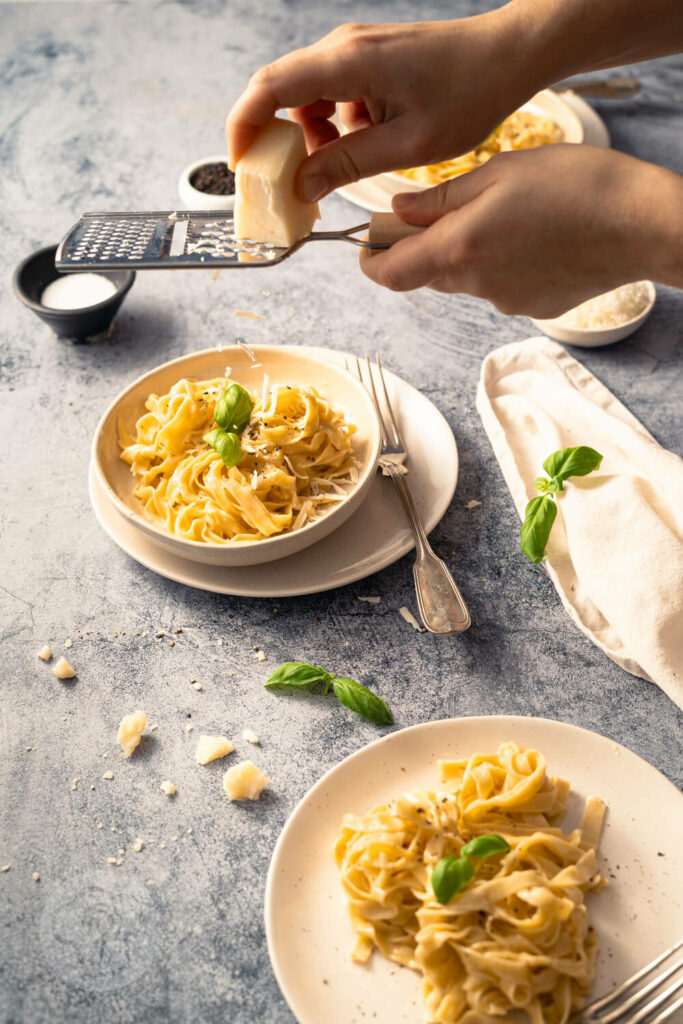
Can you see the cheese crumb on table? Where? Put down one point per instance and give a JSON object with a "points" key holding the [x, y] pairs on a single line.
{"points": [[250, 736], [472, 504], [74, 784], [63, 669], [267, 208], [197, 686], [189, 727], [68, 643], [5, 867], [247, 315], [210, 748], [244, 781], [130, 732], [36, 876], [167, 788], [138, 845], [406, 614], [370, 600], [108, 775], [45, 653], [260, 655]]}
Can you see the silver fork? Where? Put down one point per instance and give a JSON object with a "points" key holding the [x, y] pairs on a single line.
{"points": [[617, 1007], [441, 604]]}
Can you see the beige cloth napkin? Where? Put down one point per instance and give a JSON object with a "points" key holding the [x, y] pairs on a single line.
{"points": [[615, 552]]}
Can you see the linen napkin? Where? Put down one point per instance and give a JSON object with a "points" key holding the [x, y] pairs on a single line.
{"points": [[615, 552]]}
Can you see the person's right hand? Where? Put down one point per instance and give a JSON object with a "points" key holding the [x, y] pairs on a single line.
{"points": [[408, 94]]}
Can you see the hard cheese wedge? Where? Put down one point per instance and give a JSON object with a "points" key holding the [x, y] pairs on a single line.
{"points": [[266, 206]]}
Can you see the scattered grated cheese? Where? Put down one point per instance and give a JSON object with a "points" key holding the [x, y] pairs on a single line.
{"points": [[189, 727], [244, 781], [5, 867], [68, 643], [370, 600], [472, 504], [197, 686], [245, 314], [210, 748], [36, 876], [611, 309], [260, 655], [108, 775], [406, 614], [74, 784], [138, 845], [130, 732], [250, 736], [63, 669], [45, 653], [167, 788]]}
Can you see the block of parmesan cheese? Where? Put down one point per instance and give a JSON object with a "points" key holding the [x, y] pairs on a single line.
{"points": [[267, 208]]}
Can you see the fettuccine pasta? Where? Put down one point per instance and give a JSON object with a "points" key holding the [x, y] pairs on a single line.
{"points": [[297, 462], [517, 936], [521, 130]]}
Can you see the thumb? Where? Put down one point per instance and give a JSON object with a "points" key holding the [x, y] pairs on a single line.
{"points": [[431, 204], [358, 154]]}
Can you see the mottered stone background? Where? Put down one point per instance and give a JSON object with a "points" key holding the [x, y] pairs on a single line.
{"points": [[101, 105]]}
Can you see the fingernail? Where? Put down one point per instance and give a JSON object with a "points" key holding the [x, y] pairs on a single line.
{"points": [[314, 187], [405, 199]]}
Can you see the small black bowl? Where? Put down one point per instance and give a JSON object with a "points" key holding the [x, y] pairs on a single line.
{"points": [[80, 325]]}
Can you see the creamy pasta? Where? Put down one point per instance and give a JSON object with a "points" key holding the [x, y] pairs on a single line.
{"points": [[521, 130], [517, 936], [297, 462]]}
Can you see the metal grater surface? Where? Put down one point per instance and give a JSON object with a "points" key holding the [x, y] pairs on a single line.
{"points": [[174, 239]]}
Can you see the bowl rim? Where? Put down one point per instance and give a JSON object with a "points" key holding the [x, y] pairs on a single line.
{"points": [[152, 528], [568, 110], [187, 172], [594, 332], [38, 307]]}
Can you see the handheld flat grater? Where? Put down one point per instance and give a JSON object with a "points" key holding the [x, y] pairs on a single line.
{"points": [[194, 239]]}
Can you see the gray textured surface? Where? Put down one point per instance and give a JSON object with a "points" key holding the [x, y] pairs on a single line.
{"points": [[101, 105]]}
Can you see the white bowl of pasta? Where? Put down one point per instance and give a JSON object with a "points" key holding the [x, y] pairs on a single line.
{"points": [[235, 456]]}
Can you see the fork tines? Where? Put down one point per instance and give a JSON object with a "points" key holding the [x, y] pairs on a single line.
{"points": [[642, 994]]}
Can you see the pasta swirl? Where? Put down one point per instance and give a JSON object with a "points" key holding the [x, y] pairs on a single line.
{"points": [[517, 937], [297, 462]]}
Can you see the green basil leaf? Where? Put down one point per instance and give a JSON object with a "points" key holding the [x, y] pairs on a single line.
{"points": [[233, 409], [541, 483], [450, 875], [227, 445], [538, 521], [361, 700], [296, 675], [485, 846], [572, 462]]}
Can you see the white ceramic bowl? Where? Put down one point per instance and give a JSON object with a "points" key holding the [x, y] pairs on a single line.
{"points": [[584, 337], [192, 198], [283, 367], [546, 103]]}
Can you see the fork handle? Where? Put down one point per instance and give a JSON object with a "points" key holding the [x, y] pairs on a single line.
{"points": [[442, 606], [387, 228]]}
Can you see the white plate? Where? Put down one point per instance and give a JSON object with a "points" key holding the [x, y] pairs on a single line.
{"points": [[307, 924], [374, 537], [375, 194]]}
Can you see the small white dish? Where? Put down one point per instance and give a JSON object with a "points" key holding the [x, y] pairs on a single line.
{"points": [[376, 535], [584, 337], [375, 194], [192, 198], [291, 366], [308, 929]]}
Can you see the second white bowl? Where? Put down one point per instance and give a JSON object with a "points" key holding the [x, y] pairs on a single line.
{"points": [[338, 386]]}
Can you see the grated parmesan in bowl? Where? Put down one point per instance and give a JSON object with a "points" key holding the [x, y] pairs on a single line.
{"points": [[605, 318]]}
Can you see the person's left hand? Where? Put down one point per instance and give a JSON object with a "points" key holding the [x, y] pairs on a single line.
{"points": [[535, 232]]}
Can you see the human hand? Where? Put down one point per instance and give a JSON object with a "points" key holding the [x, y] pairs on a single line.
{"points": [[539, 231], [408, 94]]}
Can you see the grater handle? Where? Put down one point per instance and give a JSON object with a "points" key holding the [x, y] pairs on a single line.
{"points": [[386, 229]]}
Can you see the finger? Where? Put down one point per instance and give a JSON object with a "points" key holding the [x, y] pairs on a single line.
{"points": [[355, 115], [319, 109], [431, 204], [318, 132], [411, 263], [298, 79], [358, 154]]}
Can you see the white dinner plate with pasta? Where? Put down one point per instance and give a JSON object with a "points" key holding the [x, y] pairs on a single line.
{"points": [[474, 870], [576, 120], [374, 536], [238, 456]]}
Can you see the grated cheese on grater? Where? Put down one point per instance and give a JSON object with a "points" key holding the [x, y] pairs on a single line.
{"points": [[611, 309]]}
